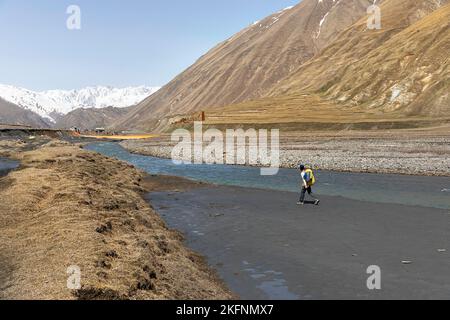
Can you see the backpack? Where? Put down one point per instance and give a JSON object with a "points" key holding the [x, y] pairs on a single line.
{"points": [[309, 177]]}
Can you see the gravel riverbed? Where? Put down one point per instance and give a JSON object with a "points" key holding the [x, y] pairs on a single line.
{"points": [[400, 154]]}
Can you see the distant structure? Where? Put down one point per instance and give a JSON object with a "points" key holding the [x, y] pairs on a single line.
{"points": [[100, 130], [75, 129], [188, 119], [14, 126]]}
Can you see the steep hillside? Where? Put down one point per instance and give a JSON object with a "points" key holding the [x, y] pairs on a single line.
{"points": [[390, 78], [403, 67], [12, 114], [89, 119], [250, 63]]}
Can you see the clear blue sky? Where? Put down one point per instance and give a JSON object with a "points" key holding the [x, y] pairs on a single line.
{"points": [[121, 43]]}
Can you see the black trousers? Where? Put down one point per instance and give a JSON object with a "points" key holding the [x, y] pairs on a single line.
{"points": [[303, 194]]}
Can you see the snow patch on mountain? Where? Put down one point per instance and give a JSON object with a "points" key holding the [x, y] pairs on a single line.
{"points": [[324, 18], [46, 103]]}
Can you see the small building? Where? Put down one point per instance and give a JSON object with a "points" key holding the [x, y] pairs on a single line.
{"points": [[100, 130]]}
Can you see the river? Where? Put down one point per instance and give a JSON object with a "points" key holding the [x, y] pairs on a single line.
{"points": [[264, 246], [433, 192], [6, 165]]}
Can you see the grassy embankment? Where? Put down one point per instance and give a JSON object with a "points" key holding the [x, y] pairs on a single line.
{"points": [[68, 207]]}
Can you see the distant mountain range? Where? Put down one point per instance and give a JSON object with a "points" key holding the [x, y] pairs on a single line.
{"points": [[315, 65], [12, 114], [51, 106], [91, 118]]}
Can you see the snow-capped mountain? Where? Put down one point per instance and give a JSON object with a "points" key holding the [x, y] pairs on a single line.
{"points": [[48, 103]]}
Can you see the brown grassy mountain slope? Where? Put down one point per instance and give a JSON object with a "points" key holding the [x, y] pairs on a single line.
{"points": [[250, 63], [398, 67], [89, 119], [399, 73], [12, 114]]}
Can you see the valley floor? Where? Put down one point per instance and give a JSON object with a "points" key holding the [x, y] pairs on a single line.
{"points": [[412, 152], [68, 209], [65, 207], [265, 246]]}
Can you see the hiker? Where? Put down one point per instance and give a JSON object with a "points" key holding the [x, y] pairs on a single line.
{"points": [[308, 180]]}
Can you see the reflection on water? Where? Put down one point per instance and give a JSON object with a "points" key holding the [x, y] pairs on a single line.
{"points": [[382, 188], [271, 283], [7, 165]]}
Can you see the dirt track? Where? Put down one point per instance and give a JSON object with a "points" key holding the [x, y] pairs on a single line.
{"points": [[69, 207]]}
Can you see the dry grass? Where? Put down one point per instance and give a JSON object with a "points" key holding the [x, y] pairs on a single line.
{"points": [[67, 206], [292, 111], [121, 137]]}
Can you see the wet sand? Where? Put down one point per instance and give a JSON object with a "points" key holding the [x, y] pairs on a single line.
{"points": [[264, 246]]}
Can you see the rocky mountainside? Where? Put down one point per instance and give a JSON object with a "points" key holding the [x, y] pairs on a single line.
{"points": [[404, 67], [13, 114], [395, 77], [251, 62], [88, 119]]}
